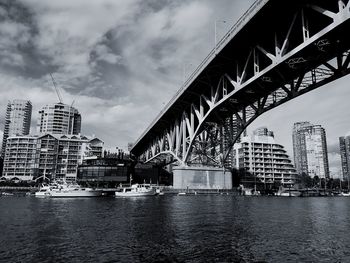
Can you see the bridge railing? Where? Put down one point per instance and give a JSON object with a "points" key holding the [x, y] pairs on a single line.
{"points": [[252, 10]]}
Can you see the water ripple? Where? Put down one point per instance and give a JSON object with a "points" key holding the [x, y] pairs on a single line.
{"points": [[175, 229]]}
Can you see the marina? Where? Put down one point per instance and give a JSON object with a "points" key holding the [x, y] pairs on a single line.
{"points": [[154, 190]]}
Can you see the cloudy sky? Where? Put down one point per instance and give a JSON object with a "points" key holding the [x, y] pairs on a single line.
{"points": [[120, 61]]}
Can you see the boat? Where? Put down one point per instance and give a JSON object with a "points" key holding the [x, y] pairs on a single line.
{"points": [[344, 194], [6, 194], [159, 190], [250, 192], [136, 190], [74, 190], [45, 190], [289, 192]]}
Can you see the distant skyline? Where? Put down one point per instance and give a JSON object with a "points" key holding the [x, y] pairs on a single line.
{"points": [[121, 61]]}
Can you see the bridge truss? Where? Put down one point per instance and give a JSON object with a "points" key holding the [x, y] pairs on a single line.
{"points": [[307, 48]]}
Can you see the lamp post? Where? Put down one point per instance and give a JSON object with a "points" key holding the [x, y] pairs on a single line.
{"points": [[215, 25]]}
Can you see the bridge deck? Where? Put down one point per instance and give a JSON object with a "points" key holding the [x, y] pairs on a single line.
{"points": [[263, 21]]}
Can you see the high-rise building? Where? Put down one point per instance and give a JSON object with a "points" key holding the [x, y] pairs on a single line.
{"points": [[17, 120], [264, 158], [59, 118], [344, 143], [310, 149]]}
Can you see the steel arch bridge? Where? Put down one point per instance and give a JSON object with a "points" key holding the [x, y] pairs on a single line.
{"points": [[277, 51]]}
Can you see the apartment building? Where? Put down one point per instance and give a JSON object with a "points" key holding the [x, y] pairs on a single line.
{"points": [[59, 118], [264, 158], [20, 158]]}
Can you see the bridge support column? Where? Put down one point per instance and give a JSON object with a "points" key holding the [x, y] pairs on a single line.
{"points": [[201, 178]]}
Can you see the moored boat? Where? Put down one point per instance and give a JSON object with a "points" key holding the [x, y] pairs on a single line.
{"points": [[45, 190], [74, 190], [289, 192], [136, 190]]}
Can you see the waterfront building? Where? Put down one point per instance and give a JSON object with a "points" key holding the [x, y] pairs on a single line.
{"points": [[59, 118], [114, 169], [344, 143], [51, 156], [20, 158], [310, 149], [60, 154], [17, 120], [107, 170], [47, 150], [93, 148], [261, 156]]}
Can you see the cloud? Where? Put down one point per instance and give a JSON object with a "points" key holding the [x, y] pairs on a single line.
{"points": [[13, 36], [104, 53], [334, 160], [333, 148]]}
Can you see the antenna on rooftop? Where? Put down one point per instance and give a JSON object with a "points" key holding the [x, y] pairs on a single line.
{"points": [[56, 89]]}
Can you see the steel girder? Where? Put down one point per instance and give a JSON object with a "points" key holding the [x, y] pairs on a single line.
{"points": [[207, 129]]}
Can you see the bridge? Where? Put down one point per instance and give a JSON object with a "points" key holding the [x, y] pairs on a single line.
{"points": [[277, 51]]}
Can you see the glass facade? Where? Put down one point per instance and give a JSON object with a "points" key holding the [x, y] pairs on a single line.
{"points": [[105, 170], [310, 149]]}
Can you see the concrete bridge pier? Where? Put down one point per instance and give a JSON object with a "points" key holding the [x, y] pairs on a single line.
{"points": [[208, 178]]}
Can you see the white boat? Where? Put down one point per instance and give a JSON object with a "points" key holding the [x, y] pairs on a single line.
{"points": [[158, 190], [289, 192], [136, 190], [6, 194], [250, 192], [74, 190], [344, 194], [45, 190]]}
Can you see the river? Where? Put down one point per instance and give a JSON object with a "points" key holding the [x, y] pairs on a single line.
{"points": [[202, 228]]}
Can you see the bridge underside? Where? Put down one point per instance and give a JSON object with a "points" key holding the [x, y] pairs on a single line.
{"points": [[301, 46]]}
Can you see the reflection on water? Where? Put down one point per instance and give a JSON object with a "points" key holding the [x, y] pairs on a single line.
{"points": [[175, 229]]}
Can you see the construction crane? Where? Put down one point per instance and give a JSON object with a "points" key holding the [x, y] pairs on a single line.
{"points": [[56, 89]]}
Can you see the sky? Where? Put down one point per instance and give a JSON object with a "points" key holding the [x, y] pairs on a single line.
{"points": [[119, 62]]}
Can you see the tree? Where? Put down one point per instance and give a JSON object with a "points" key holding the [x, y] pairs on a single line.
{"points": [[306, 180], [330, 183]]}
